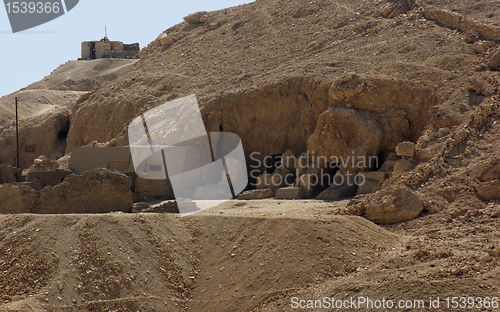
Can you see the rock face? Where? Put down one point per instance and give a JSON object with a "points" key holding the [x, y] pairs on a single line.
{"points": [[17, 198], [97, 191], [342, 133], [10, 174], [37, 136], [291, 192], [390, 205]]}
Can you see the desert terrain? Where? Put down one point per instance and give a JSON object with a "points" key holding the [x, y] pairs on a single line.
{"points": [[364, 77]]}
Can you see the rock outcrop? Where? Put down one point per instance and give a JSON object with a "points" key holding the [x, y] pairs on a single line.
{"points": [[96, 191]]}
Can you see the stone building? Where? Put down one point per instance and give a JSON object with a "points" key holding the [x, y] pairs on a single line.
{"points": [[109, 49]]}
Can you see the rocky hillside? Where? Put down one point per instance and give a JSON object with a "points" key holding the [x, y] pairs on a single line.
{"points": [[413, 83], [44, 108]]}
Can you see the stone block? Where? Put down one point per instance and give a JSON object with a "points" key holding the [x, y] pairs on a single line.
{"points": [[405, 149], [291, 192]]}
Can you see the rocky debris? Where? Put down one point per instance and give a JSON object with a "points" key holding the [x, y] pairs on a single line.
{"points": [[470, 36], [491, 171], [489, 190], [165, 39], [195, 18], [390, 205], [10, 174], [494, 252], [291, 192], [398, 7], [168, 206], [41, 179], [17, 198], [494, 62], [475, 85], [257, 194], [405, 149], [96, 191], [42, 163], [484, 257], [140, 207]]}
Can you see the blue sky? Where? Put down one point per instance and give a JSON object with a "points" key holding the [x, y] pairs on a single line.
{"points": [[28, 56]]}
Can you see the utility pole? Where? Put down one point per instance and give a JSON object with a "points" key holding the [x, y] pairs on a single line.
{"points": [[105, 32], [17, 136]]}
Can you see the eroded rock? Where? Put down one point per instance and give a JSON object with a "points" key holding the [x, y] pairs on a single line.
{"points": [[195, 18], [17, 198], [390, 205], [96, 191], [343, 133]]}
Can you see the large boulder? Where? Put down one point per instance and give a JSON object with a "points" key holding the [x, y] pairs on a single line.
{"points": [[96, 191], [343, 133], [390, 205]]}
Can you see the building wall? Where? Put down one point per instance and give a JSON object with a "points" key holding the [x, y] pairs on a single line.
{"points": [[109, 49], [87, 47], [102, 49]]}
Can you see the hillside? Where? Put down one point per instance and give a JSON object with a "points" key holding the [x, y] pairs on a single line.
{"points": [[348, 77], [44, 107]]}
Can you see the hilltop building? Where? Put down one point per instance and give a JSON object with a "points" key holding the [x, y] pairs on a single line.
{"points": [[109, 49]]}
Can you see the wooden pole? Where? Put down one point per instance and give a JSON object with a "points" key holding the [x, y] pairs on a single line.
{"points": [[17, 136]]}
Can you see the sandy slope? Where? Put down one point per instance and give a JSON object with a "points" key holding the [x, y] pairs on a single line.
{"points": [[62, 87]]}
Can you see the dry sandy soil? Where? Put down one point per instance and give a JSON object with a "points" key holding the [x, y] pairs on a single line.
{"points": [[241, 256], [266, 71]]}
